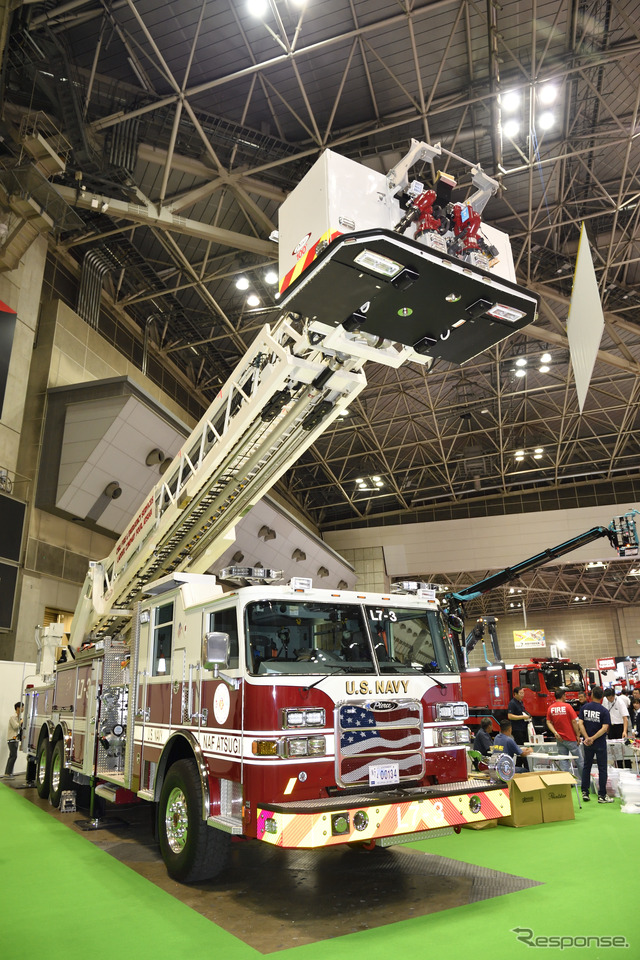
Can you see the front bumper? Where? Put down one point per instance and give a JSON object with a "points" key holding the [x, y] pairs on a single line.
{"points": [[322, 823]]}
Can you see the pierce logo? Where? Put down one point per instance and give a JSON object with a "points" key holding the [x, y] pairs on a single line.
{"points": [[301, 247]]}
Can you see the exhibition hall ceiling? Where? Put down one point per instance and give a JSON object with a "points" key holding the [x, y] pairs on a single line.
{"points": [[193, 120]]}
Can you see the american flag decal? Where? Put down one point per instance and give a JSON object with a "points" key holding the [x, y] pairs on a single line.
{"points": [[376, 732]]}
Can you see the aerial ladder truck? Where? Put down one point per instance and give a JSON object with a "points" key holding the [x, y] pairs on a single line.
{"points": [[238, 706], [488, 689]]}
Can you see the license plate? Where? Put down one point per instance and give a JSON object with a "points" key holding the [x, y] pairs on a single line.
{"points": [[381, 774]]}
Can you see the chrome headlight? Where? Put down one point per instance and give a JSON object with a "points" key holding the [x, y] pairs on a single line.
{"points": [[452, 711], [447, 735], [304, 747], [302, 717], [463, 735]]}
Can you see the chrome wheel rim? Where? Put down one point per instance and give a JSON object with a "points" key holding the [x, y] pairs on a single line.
{"points": [[42, 766], [55, 772], [176, 820]]}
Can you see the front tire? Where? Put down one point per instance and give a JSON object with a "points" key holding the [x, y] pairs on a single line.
{"points": [[191, 850], [58, 776], [43, 767]]}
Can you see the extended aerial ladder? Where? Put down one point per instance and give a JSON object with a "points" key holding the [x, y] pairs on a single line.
{"points": [[285, 391], [621, 534]]}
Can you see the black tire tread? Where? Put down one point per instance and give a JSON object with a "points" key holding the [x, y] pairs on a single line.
{"points": [[207, 850], [43, 786], [64, 775]]}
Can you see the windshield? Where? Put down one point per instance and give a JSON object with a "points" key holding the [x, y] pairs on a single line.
{"points": [[410, 641], [303, 637], [568, 676]]}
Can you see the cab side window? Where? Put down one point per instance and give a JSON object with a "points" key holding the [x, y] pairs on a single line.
{"points": [[162, 640], [226, 621], [531, 679]]}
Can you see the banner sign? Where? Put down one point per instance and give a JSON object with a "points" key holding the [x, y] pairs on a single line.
{"points": [[528, 638]]}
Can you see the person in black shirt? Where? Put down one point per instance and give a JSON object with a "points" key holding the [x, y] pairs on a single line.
{"points": [[519, 718], [594, 721], [482, 741]]}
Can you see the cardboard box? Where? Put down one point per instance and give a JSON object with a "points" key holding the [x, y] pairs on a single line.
{"points": [[525, 791], [543, 797], [557, 799]]}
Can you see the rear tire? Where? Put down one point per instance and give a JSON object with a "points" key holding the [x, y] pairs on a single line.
{"points": [[59, 778], [43, 768], [191, 850]]}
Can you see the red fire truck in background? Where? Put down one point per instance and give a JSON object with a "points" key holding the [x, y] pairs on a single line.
{"points": [[488, 689], [291, 715]]}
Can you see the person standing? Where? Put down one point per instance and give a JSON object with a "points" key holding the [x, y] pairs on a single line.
{"points": [[562, 721], [619, 714], [13, 739], [593, 721], [518, 718]]}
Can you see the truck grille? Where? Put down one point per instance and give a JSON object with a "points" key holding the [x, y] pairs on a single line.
{"points": [[378, 731]]}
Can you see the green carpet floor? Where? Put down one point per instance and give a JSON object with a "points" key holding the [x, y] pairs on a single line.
{"points": [[65, 898]]}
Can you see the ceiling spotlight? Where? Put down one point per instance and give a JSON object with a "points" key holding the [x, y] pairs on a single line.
{"points": [[519, 453], [521, 372], [545, 358], [537, 456], [343, 413], [253, 301], [544, 368], [519, 457], [510, 101], [375, 478], [539, 450], [511, 129], [546, 120], [547, 93], [521, 362], [271, 277], [242, 283], [257, 8]]}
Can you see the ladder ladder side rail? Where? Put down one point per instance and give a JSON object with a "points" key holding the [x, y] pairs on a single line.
{"points": [[166, 496], [261, 450]]}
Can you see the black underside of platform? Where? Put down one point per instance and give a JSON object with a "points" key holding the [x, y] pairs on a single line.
{"points": [[335, 286]]}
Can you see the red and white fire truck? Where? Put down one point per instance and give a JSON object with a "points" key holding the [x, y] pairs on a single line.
{"points": [[292, 715], [488, 689]]}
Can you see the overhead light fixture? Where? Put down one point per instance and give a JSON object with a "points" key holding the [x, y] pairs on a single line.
{"points": [[519, 453], [546, 120], [539, 450], [537, 456], [521, 372], [510, 101], [257, 8], [544, 368], [271, 277], [343, 413], [521, 362], [547, 93], [545, 358], [511, 129], [519, 458], [242, 283], [253, 301]]}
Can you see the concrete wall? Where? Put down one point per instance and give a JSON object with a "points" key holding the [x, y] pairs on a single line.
{"points": [[57, 551], [484, 543]]}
